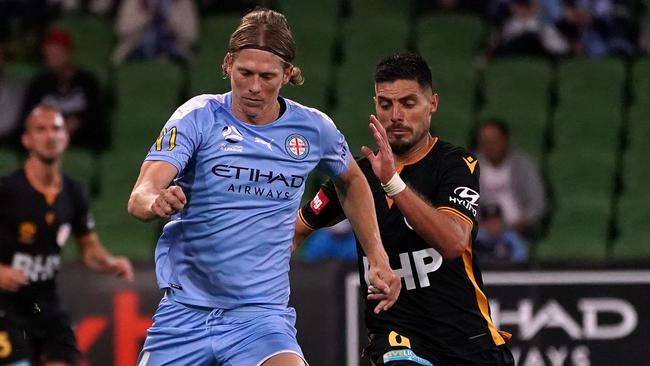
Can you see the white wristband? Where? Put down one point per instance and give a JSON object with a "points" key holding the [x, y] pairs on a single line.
{"points": [[394, 186]]}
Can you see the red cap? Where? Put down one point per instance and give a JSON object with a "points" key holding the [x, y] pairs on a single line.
{"points": [[59, 37]]}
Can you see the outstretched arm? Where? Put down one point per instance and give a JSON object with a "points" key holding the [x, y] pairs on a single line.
{"points": [[443, 231], [356, 201], [152, 197], [97, 258]]}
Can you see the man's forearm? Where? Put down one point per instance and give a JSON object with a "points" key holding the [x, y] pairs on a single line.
{"points": [[139, 205], [358, 205], [93, 254], [441, 231], [154, 176]]}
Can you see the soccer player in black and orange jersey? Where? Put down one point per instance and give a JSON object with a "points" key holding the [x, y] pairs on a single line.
{"points": [[40, 208], [426, 193]]}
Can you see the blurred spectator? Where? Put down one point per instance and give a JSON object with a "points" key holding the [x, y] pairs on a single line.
{"points": [[147, 29], [73, 91], [23, 23], [467, 6], [510, 179], [334, 242], [495, 241], [597, 27], [100, 7], [524, 27], [12, 92]]}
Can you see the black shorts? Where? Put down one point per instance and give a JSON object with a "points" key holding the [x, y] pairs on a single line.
{"points": [[39, 337], [395, 350]]}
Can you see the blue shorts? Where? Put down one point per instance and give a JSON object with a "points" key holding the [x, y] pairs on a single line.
{"points": [[189, 335]]}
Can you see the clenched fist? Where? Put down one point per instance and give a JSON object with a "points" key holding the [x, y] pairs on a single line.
{"points": [[168, 201]]}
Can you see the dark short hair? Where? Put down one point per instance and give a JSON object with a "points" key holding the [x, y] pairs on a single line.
{"points": [[499, 124], [404, 66]]}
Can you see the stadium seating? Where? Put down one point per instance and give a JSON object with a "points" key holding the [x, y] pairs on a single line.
{"points": [[641, 78], [327, 11], [582, 80], [354, 80], [84, 167], [517, 91], [361, 44], [582, 182], [450, 44], [314, 44], [315, 53], [582, 175], [455, 83], [205, 69], [449, 36], [633, 240], [381, 9], [578, 231], [633, 214], [354, 93], [8, 160], [582, 165], [633, 218], [148, 93], [587, 128]]}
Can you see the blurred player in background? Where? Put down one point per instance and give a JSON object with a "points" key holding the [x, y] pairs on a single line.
{"points": [[40, 208], [426, 194], [230, 170]]}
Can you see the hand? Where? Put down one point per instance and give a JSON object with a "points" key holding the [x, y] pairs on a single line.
{"points": [[384, 287], [122, 267], [12, 279], [383, 163], [169, 201]]}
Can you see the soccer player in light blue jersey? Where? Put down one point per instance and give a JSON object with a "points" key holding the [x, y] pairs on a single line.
{"points": [[230, 170]]}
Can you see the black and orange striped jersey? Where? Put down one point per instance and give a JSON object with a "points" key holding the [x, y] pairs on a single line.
{"points": [[33, 229], [442, 302]]}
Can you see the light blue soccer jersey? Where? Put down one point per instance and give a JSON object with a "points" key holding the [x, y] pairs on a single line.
{"points": [[230, 245]]}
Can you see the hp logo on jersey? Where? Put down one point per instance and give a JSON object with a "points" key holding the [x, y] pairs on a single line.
{"points": [[297, 146]]}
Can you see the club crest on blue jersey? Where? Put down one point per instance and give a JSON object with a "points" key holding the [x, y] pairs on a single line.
{"points": [[297, 146]]}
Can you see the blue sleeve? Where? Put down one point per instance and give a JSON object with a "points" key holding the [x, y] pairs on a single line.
{"points": [[178, 139], [335, 152]]}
